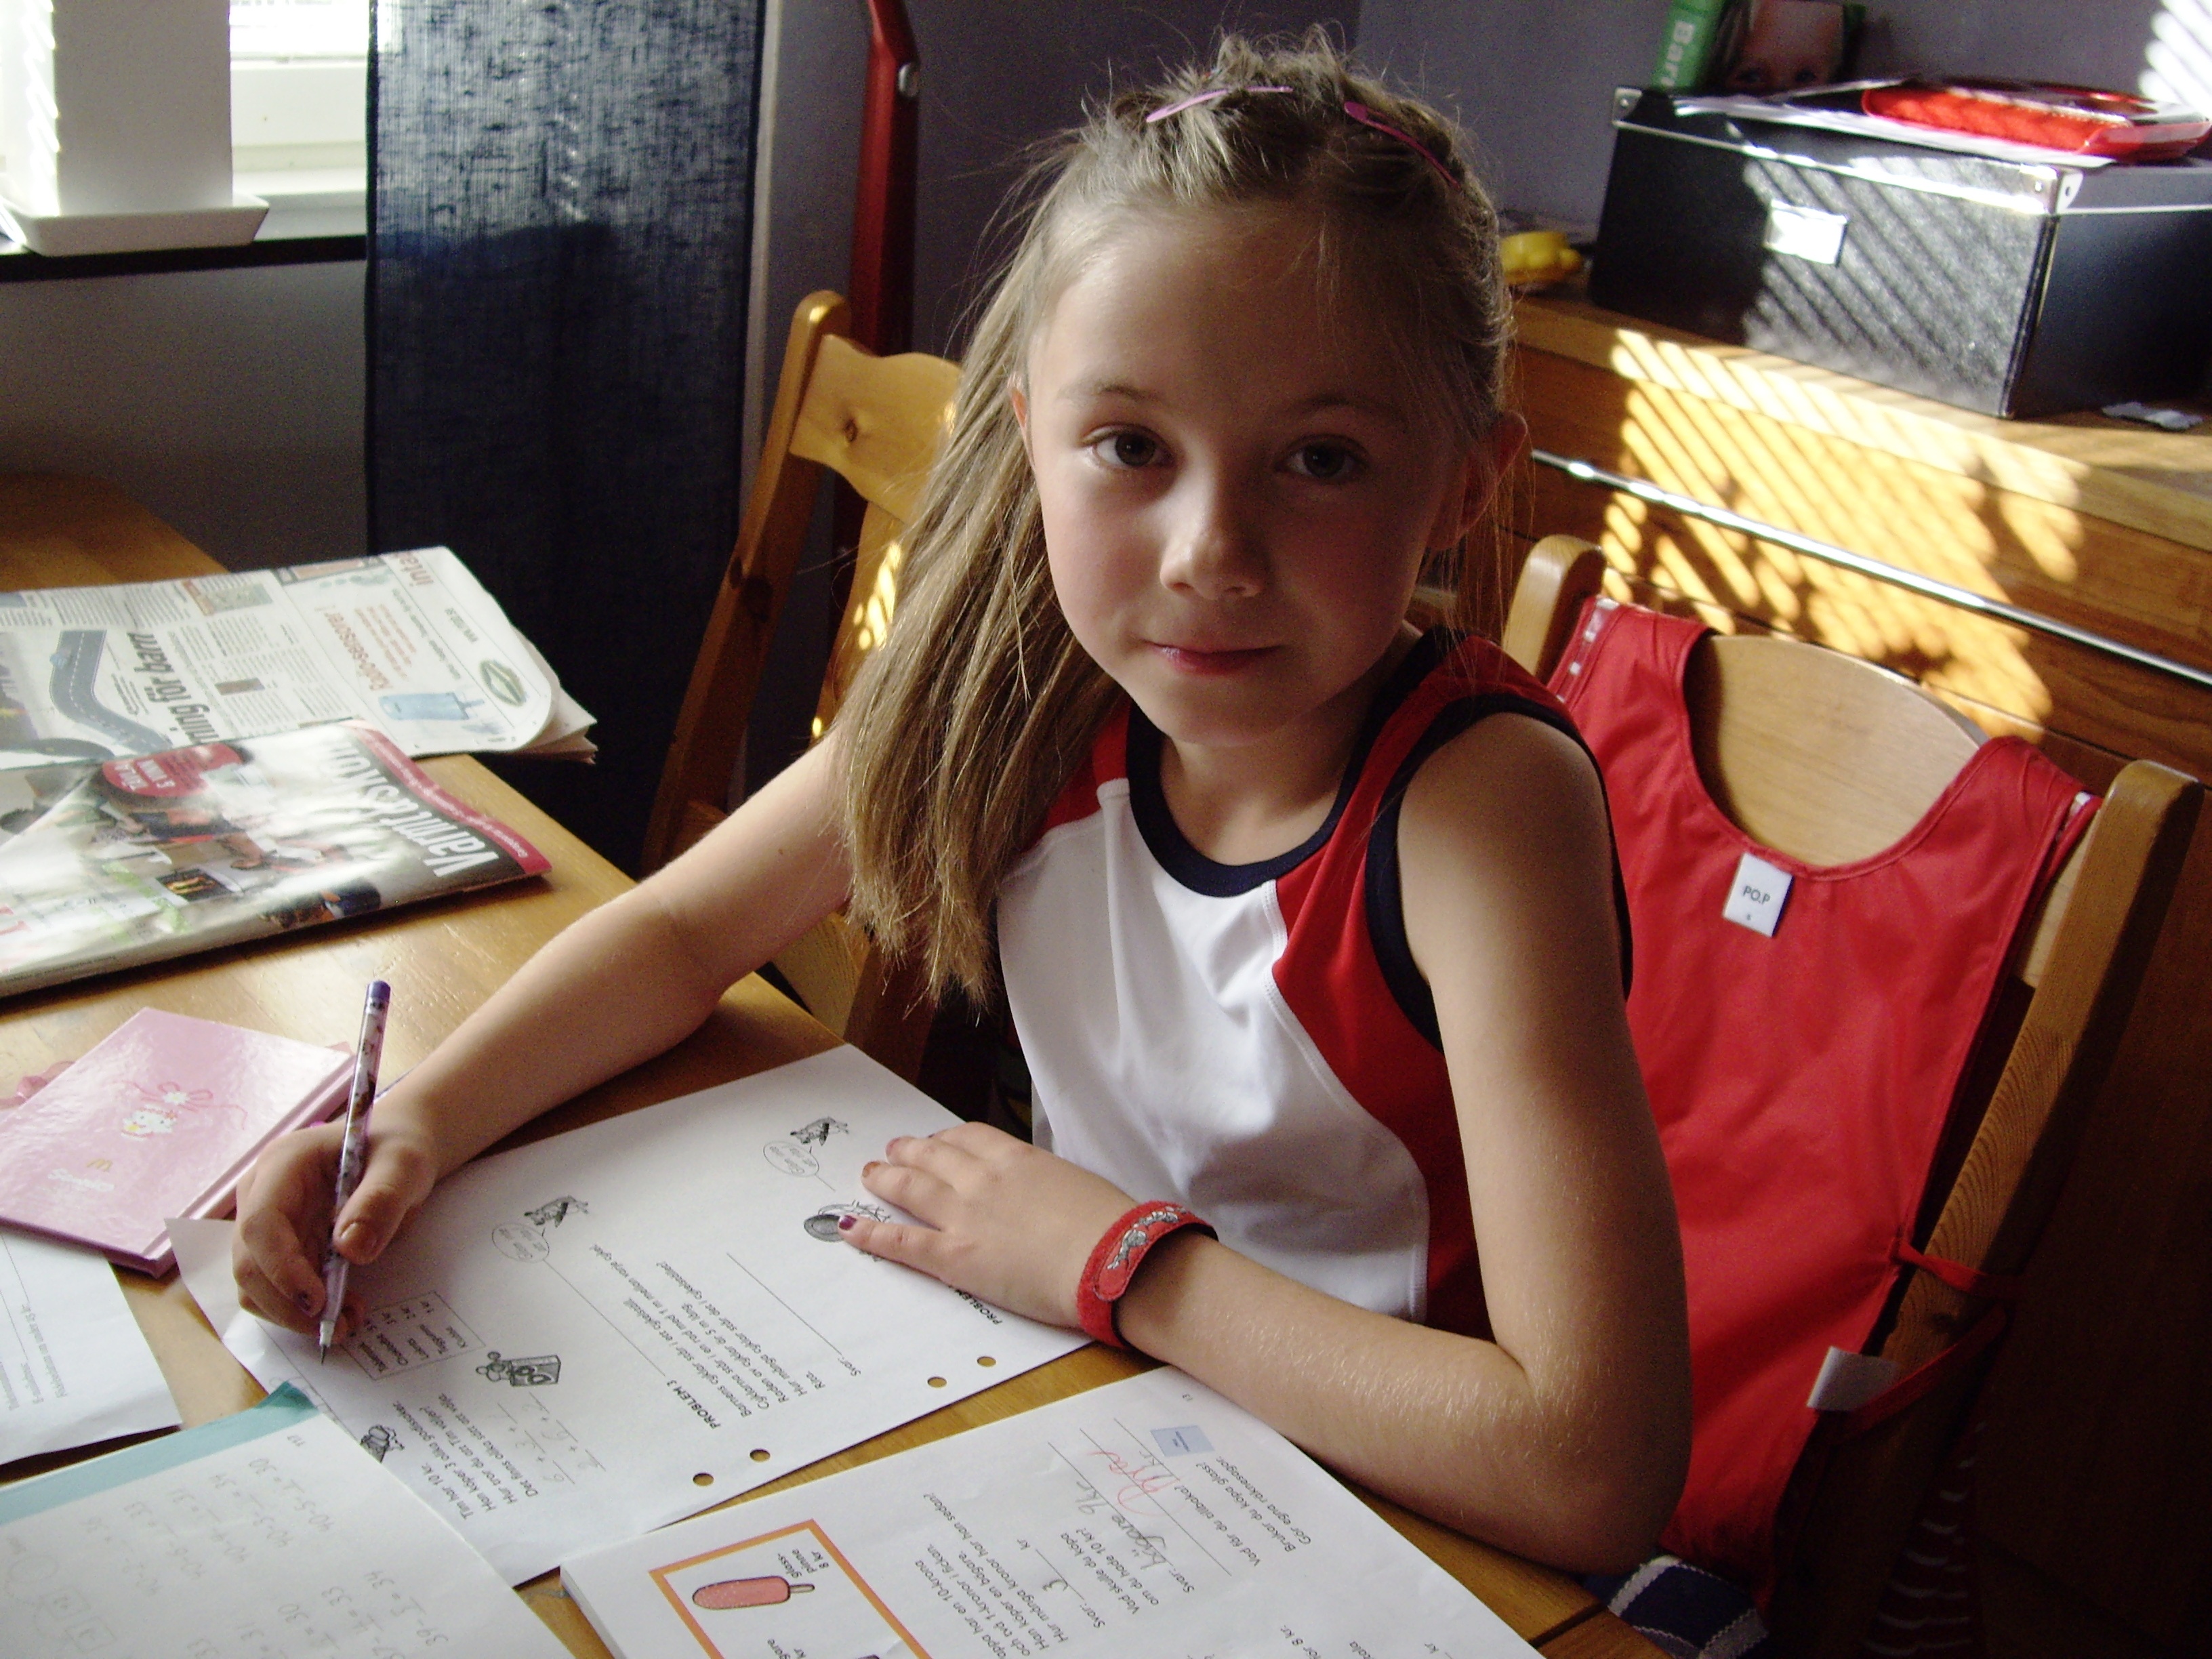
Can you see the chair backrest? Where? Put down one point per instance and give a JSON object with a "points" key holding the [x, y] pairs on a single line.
{"points": [[1829, 758], [876, 423]]}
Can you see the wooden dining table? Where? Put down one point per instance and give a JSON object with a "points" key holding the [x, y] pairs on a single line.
{"points": [[449, 955]]}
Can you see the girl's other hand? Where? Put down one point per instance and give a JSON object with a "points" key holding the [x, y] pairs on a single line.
{"points": [[1005, 1221], [285, 1217]]}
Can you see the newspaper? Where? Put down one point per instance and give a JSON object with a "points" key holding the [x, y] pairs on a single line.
{"points": [[410, 642], [111, 864]]}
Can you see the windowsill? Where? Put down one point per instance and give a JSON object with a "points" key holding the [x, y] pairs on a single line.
{"points": [[309, 202], [20, 265], [316, 217]]}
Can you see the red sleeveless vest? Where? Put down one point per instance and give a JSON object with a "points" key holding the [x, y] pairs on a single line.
{"points": [[1801, 1080]]}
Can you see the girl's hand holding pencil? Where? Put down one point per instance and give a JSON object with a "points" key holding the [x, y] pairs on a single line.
{"points": [[285, 1208]]}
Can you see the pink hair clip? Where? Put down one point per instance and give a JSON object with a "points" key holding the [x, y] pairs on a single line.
{"points": [[1207, 97], [1366, 117]]}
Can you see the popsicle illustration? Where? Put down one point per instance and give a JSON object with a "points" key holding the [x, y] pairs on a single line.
{"points": [[746, 1593]]}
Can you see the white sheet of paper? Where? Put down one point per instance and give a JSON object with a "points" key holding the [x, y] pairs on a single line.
{"points": [[1147, 1516], [596, 1334], [75, 1368], [266, 1533]]}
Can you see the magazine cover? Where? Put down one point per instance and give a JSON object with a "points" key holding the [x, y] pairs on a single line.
{"points": [[108, 865]]}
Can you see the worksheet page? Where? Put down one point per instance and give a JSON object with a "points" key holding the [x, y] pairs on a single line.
{"points": [[263, 1535], [1148, 1517], [75, 1368], [598, 1334]]}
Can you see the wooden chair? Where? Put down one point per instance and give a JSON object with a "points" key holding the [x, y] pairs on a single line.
{"points": [[1831, 759], [876, 423]]}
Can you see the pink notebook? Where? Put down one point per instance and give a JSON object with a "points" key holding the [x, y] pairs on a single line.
{"points": [[159, 1119]]}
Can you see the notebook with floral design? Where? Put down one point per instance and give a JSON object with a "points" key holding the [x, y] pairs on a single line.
{"points": [[159, 1119]]}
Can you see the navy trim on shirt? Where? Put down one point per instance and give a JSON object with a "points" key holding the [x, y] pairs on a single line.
{"points": [[1163, 837], [1386, 904]]}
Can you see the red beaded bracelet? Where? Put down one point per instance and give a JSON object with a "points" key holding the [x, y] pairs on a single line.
{"points": [[1116, 1260]]}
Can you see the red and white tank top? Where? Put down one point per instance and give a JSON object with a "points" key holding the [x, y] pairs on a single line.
{"points": [[1254, 1040], [1800, 1077]]}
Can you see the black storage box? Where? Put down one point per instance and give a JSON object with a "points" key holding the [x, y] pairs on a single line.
{"points": [[2008, 286]]}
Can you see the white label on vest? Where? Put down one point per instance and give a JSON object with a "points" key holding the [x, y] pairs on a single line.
{"points": [[1755, 898], [1848, 1381]]}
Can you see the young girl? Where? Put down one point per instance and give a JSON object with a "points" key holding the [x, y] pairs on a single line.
{"points": [[1306, 920]]}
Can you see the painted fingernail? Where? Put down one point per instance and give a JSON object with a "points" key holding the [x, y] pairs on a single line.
{"points": [[845, 1223], [869, 1167]]}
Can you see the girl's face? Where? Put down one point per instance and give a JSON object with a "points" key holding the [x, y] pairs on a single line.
{"points": [[1237, 492]]}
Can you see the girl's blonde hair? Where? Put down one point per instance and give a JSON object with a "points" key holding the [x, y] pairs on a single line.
{"points": [[967, 722]]}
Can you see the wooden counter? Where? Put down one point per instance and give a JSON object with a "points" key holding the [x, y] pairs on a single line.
{"points": [[2093, 1472], [2121, 471], [2104, 524]]}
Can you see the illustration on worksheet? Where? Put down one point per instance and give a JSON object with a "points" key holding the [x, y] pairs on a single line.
{"points": [[788, 1591], [823, 1223], [539, 1373], [570, 1333], [524, 1240], [767, 1592], [797, 1152], [554, 1211], [380, 1440]]}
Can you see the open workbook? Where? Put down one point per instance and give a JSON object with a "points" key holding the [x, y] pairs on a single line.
{"points": [[609, 1329]]}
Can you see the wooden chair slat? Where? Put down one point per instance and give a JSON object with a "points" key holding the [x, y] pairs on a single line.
{"points": [[868, 610], [867, 418], [823, 965], [877, 423], [1560, 572], [711, 726], [1886, 751], [2031, 956], [2130, 862]]}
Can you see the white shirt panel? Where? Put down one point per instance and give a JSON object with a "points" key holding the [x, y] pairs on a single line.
{"points": [[1163, 1056]]}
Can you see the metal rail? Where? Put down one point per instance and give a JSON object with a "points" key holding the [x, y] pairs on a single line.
{"points": [[1912, 580]]}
